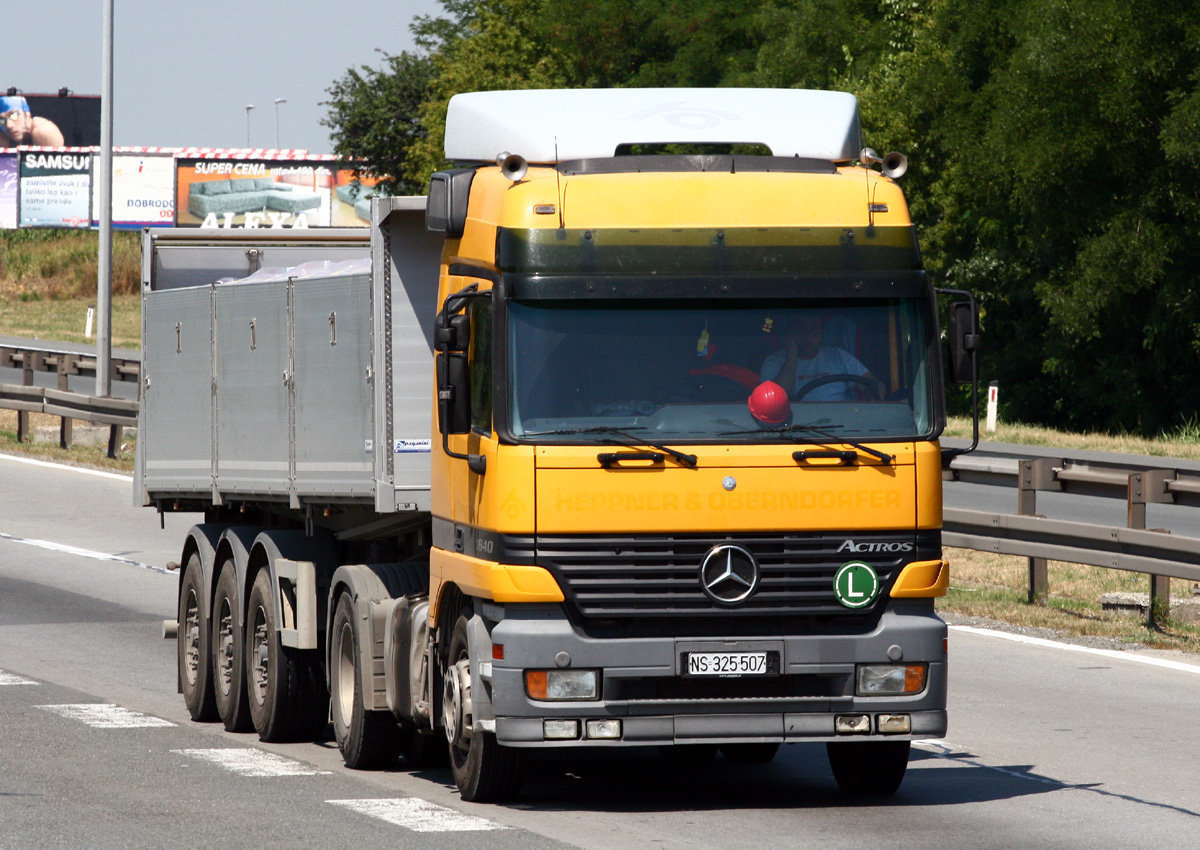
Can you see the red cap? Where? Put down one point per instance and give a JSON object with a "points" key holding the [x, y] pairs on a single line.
{"points": [[769, 403]]}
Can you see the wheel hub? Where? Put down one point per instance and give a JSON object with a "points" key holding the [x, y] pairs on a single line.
{"points": [[262, 664], [457, 708], [225, 652], [191, 642]]}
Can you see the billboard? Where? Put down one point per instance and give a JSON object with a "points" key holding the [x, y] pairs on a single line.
{"points": [[168, 187], [252, 193], [49, 120], [143, 191], [55, 189], [352, 199], [9, 170]]}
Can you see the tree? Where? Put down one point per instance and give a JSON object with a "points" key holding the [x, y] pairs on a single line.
{"points": [[375, 117]]}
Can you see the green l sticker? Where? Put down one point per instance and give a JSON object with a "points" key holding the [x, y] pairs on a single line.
{"points": [[856, 584]]}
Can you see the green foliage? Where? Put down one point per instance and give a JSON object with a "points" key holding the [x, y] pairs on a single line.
{"points": [[49, 263], [375, 117], [1050, 141]]}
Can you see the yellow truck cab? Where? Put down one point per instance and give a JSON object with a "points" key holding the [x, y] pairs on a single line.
{"points": [[687, 486]]}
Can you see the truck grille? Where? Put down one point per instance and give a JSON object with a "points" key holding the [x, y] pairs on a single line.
{"points": [[655, 577]]}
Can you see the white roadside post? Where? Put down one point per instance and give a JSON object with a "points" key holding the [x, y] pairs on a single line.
{"points": [[993, 401]]}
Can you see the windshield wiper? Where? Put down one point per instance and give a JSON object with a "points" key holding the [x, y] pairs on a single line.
{"points": [[627, 439], [792, 432]]}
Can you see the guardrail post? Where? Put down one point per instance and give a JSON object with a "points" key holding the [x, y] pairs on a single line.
{"points": [[1144, 487], [68, 365], [23, 433], [1037, 474]]}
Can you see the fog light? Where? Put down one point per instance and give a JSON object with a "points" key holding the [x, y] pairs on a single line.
{"points": [[562, 684], [601, 729], [894, 724], [890, 679], [852, 724], [560, 730]]}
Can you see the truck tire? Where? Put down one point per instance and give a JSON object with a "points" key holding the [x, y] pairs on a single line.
{"points": [[229, 680], [874, 768], [286, 693], [367, 739], [193, 647], [483, 770]]}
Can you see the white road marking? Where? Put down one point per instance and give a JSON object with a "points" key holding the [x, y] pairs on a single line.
{"points": [[100, 473], [248, 761], [1120, 655], [106, 716], [418, 815], [14, 679], [82, 553]]}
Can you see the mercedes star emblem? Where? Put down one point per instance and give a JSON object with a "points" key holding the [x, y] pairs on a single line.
{"points": [[728, 574]]}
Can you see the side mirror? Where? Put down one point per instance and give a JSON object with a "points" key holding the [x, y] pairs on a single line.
{"points": [[963, 332], [453, 390], [452, 340]]}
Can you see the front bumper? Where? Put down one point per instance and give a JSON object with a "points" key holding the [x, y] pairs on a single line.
{"points": [[642, 685]]}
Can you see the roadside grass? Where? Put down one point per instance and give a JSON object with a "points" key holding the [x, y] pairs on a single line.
{"points": [[65, 320], [49, 264], [1183, 442], [996, 588]]}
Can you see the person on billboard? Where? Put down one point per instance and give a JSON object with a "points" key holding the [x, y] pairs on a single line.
{"points": [[19, 126]]}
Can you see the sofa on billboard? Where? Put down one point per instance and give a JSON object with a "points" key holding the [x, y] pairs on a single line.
{"points": [[358, 195], [245, 194]]}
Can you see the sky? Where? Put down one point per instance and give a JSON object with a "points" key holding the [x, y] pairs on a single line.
{"points": [[183, 73]]}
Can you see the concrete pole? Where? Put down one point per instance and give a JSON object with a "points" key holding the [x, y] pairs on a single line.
{"points": [[104, 178]]}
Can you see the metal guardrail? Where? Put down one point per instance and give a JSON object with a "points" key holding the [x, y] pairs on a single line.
{"points": [[60, 400], [1133, 548]]}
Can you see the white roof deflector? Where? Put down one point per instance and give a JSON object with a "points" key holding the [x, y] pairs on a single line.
{"points": [[555, 125]]}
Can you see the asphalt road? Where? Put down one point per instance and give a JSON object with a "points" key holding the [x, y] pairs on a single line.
{"points": [[1049, 746]]}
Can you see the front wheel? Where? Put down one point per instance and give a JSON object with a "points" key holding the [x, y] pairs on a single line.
{"points": [[873, 768], [483, 770], [367, 739]]}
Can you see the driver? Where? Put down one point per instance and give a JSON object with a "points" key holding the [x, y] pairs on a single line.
{"points": [[804, 360]]}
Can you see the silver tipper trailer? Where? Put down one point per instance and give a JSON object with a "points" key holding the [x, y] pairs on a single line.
{"points": [[286, 386], [278, 368]]}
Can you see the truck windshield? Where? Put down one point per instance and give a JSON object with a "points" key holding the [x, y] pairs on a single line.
{"points": [[727, 372]]}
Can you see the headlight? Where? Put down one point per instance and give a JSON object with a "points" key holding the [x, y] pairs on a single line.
{"points": [[562, 684], [876, 680]]}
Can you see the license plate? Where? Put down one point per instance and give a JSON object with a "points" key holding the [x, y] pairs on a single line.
{"points": [[727, 664]]}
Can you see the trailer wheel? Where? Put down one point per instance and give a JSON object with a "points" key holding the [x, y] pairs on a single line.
{"points": [[193, 647], [286, 691], [367, 739], [868, 767], [483, 770], [229, 681]]}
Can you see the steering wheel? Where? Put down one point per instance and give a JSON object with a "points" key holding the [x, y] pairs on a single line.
{"points": [[839, 378]]}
